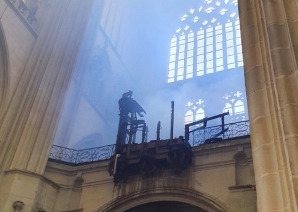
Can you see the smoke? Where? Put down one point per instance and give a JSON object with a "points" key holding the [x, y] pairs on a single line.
{"points": [[209, 89], [158, 108], [147, 32]]}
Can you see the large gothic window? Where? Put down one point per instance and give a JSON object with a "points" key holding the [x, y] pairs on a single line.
{"points": [[208, 42], [207, 48]]}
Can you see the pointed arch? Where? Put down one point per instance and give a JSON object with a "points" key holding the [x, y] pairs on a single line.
{"points": [[194, 111], [188, 117], [234, 103], [183, 195], [208, 41], [239, 107], [228, 108], [200, 114]]}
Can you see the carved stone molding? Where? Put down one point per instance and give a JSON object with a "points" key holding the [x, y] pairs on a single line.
{"points": [[22, 11], [18, 206], [242, 188]]}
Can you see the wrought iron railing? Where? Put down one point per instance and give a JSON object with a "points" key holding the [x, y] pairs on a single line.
{"points": [[199, 137], [72, 156], [237, 129]]}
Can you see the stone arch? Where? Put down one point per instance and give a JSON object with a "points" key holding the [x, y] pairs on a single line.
{"points": [[4, 66], [183, 195]]}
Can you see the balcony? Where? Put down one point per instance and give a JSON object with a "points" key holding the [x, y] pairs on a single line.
{"points": [[198, 137]]}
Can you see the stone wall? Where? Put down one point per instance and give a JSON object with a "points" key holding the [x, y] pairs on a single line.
{"points": [[39, 59], [209, 183]]}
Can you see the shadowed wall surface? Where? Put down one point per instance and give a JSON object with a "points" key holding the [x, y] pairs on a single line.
{"points": [[166, 206]]}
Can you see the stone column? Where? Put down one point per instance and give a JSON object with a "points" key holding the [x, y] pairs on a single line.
{"points": [[28, 126], [269, 40]]}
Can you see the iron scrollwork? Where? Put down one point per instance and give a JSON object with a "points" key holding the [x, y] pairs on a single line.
{"points": [[237, 129], [72, 156], [95, 154], [199, 137]]}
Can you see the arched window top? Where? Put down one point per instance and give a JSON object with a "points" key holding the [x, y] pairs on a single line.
{"points": [[239, 103], [207, 41], [234, 103], [190, 34], [210, 13], [239, 107], [228, 108], [200, 114], [188, 117], [174, 40], [194, 111]]}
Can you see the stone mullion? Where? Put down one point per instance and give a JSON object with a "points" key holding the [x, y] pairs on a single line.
{"points": [[235, 44], [224, 47], [14, 121], [205, 50], [270, 178], [195, 54], [177, 58], [214, 58]]}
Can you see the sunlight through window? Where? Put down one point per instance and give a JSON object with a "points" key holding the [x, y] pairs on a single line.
{"points": [[210, 42]]}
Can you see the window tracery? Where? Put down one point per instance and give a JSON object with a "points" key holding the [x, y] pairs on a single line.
{"points": [[234, 104], [194, 111], [208, 42]]}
